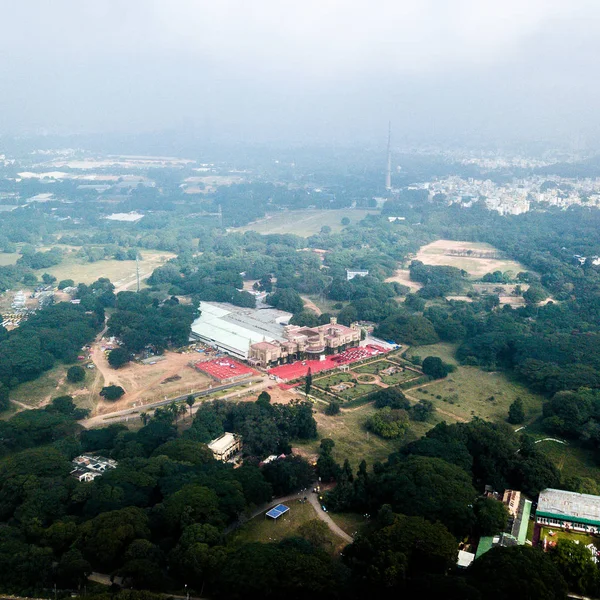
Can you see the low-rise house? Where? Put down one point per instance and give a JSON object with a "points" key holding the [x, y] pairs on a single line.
{"points": [[90, 466], [568, 510], [226, 446]]}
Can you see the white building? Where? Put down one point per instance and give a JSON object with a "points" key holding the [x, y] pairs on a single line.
{"points": [[225, 446], [233, 329], [557, 508], [352, 274]]}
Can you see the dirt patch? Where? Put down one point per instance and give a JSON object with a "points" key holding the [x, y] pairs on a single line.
{"points": [[310, 305], [402, 276], [444, 252], [278, 396], [143, 384]]}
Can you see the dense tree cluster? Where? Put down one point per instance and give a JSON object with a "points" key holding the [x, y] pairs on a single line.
{"points": [[266, 428], [141, 321], [55, 334]]}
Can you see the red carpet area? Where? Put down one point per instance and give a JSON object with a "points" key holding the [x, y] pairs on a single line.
{"points": [[224, 368], [297, 369]]}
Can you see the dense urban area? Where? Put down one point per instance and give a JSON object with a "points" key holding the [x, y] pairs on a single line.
{"points": [[296, 375]]}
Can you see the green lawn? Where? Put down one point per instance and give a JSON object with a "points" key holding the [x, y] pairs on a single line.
{"points": [[444, 350], [349, 522], [372, 367], [352, 441], [356, 391], [333, 379], [306, 222], [265, 530], [570, 460], [399, 377], [470, 392], [582, 538]]}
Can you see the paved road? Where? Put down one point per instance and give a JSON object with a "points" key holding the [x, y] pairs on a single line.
{"points": [[314, 500], [123, 415]]}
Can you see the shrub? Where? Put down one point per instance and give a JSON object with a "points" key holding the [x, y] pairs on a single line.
{"points": [[76, 374], [112, 392], [388, 423], [333, 408]]}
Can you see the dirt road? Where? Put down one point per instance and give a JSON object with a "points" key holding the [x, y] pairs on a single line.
{"points": [[312, 306]]}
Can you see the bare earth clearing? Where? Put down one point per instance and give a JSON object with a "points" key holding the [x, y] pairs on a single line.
{"points": [[142, 383], [402, 276], [439, 253]]}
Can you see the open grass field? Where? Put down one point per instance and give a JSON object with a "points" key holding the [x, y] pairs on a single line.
{"points": [[571, 460], [8, 258], [121, 272], [305, 222], [443, 350], [49, 385], [265, 530], [438, 253], [353, 441], [351, 523], [470, 392]]}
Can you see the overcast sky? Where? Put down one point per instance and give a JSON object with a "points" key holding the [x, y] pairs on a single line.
{"points": [[309, 70]]}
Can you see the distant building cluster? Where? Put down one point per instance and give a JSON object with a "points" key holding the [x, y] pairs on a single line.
{"points": [[87, 467], [519, 195], [305, 342]]}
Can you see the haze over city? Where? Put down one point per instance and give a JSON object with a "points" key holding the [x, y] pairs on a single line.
{"points": [[324, 72]]}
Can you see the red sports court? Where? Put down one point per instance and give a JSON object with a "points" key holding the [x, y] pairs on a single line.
{"points": [[224, 368], [298, 369]]}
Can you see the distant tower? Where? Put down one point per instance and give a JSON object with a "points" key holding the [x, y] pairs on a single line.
{"points": [[388, 174], [220, 217]]}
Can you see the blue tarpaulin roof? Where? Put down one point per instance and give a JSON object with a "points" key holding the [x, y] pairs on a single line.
{"points": [[277, 511]]}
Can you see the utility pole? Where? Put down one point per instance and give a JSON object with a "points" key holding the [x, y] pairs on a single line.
{"points": [[137, 272], [388, 174]]}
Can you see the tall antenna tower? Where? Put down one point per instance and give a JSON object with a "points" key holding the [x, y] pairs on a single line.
{"points": [[388, 173], [220, 217], [137, 272]]}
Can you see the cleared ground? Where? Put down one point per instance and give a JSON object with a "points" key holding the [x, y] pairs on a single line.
{"points": [[8, 258], [402, 276], [306, 222], [52, 383], [121, 272], [439, 253], [143, 384]]}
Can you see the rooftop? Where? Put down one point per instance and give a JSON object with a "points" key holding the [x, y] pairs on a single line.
{"points": [[239, 327], [570, 505], [222, 443]]}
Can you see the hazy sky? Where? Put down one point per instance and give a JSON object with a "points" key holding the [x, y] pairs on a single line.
{"points": [[322, 70]]}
